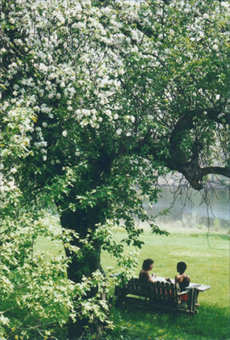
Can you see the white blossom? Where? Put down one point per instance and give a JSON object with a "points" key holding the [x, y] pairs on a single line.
{"points": [[43, 67], [134, 35], [132, 119], [108, 112]]}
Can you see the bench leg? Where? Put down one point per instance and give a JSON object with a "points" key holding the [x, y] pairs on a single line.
{"points": [[196, 297], [192, 296]]}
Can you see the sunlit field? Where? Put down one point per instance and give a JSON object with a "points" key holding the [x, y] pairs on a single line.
{"points": [[207, 258]]}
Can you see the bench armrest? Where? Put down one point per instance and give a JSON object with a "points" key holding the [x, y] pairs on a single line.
{"points": [[182, 293]]}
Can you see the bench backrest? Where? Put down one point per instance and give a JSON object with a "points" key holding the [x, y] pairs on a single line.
{"points": [[155, 291]]}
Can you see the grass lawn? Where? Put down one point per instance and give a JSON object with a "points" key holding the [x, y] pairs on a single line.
{"points": [[208, 263]]}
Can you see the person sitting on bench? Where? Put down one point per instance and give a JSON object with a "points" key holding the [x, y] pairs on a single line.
{"points": [[182, 279], [144, 273]]}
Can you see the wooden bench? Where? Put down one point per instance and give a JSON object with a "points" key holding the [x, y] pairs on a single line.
{"points": [[157, 295]]}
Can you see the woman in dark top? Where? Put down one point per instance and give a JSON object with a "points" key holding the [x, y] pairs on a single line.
{"points": [[144, 273], [182, 279]]}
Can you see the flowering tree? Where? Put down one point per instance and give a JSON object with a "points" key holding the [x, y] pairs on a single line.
{"points": [[183, 72], [101, 99]]}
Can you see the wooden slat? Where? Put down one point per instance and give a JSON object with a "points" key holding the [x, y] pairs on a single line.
{"points": [[161, 294]]}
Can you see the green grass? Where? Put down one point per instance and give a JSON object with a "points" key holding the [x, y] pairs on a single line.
{"points": [[207, 259], [208, 263]]}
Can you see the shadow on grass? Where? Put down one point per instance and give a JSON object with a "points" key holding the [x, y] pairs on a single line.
{"points": [[134, 323]]}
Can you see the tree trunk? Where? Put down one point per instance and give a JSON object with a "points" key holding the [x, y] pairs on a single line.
{"points": [[82, 222]]}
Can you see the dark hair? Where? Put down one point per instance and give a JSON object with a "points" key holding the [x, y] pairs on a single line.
{"points": [[181, 267], [147, 263]]}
